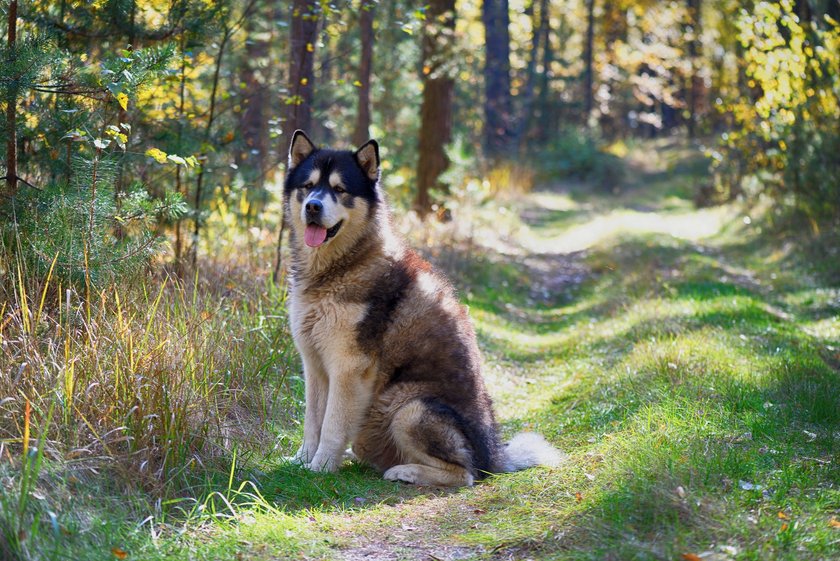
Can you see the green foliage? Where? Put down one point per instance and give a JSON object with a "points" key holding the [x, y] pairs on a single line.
{"points": [[83, 229], [83, 223], [575, 153], [787, 130]]}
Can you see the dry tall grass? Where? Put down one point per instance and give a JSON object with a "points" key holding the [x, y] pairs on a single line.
{"points": [[156, 377]]}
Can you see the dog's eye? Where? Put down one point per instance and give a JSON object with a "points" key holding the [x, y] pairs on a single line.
{"points": [[307, 185], [339, 189]]}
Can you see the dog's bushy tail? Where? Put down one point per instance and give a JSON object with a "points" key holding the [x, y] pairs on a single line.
{"points": [[528, 449]]}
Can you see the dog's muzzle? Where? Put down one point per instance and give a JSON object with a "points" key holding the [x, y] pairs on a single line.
{"points": [[315, 234]]}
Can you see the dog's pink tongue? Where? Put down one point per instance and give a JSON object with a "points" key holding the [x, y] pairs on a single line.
{"points": [[315, 235]]}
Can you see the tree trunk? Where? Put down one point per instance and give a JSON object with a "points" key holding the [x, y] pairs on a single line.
{"points": [[497, 103], [548, 114], [303, 37], [298, 115], [199, 182], [179, 188], [361, 132], [694, 45], [588, 94], [11, 110], [436, 109], [538, 27], [254, 122]]}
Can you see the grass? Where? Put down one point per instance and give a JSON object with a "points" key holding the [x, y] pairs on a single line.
{"points": [[687, 363]]}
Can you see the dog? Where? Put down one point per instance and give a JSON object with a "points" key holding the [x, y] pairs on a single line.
{"points": [[390, 358]]}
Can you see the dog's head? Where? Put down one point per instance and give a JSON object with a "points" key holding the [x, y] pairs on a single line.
{"points": [[330, 194]]}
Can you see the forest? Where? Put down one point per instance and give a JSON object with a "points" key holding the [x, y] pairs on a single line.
{"points": [[638, 201]]}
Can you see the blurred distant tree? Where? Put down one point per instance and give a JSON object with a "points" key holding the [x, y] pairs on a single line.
{"points": [[539, 32], [546, 115], [588, 57], [498, 105], [11, 99], [302, 42], [361, 132], [298, 105], [255, 79], [694, 31], [436, 110]]}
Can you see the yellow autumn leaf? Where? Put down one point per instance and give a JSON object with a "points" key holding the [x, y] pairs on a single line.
{"points": [[158, 155], [310, 48], [304, 81], [122, 99]]}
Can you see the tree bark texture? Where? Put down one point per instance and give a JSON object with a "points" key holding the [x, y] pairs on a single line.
{"points": [[254, 121], [694, 46], [539, 25], [548, 114], [302, 40], [588, 94], [436, 108], [498, 102], [11, 110], [361, 133]]}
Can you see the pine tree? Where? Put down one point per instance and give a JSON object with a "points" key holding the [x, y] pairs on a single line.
{"points": [[73, 221]]}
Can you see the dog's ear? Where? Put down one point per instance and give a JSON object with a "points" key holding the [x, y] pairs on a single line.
{"points": [[300, 148], [368, 157]]}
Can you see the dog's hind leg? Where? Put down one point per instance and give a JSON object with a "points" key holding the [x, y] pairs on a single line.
{"points": [[433, 451], [419, 474]]}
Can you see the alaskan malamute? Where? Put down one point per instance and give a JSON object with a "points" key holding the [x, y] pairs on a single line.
{"points": [[389, 354]]}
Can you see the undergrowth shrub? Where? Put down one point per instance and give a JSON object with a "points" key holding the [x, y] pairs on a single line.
{"points": [[786, 140], [578, 155]]}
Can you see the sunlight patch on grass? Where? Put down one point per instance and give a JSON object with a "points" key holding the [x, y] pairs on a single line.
{"points": [[616, 224], [827, 328]]}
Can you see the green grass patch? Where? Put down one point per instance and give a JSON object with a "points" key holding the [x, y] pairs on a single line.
{"points": [[686, 362]]}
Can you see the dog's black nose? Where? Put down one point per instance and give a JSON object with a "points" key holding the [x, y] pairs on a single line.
{"points": [[314, 207]]}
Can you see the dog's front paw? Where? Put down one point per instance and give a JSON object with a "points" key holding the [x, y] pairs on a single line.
{"points": [[303, 456], [325, 463]]}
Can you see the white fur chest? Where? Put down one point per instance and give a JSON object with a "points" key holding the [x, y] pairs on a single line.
{"points": [[324, 324]]}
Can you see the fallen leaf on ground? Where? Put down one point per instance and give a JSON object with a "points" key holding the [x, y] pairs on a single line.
{"points": [[691, 557]]}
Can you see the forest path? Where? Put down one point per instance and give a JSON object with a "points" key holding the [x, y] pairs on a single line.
{"points": [[685, 359], [522, 284]]}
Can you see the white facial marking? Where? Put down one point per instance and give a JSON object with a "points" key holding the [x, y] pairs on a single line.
{"points": [[314, 176], [335, 179]]}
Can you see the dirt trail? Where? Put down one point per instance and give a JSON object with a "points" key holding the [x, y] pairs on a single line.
{"points": [[550, 248]]}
